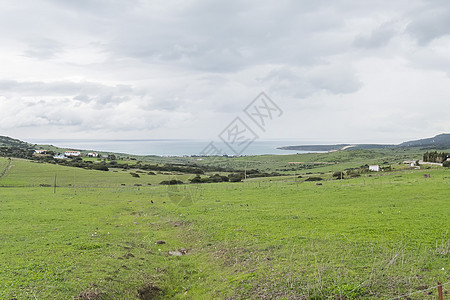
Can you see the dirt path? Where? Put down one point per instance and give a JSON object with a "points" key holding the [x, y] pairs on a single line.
{"points": [[7, 168]]}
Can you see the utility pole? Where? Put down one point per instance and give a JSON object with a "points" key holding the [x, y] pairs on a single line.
{"points": [[245, 171], [54, 186]]}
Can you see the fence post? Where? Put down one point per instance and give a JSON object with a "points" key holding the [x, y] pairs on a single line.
{"points": [[441, 297]]}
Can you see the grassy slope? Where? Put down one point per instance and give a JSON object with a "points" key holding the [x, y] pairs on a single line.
{"points": [[374, 237], [339, 160], [26, 173]]}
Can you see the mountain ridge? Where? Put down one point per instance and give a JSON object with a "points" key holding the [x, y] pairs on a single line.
{"points": [[440, 141]]}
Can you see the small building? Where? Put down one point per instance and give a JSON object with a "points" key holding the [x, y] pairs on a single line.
{"points": [[40, 151], [60, 156], [72, 153], [374, 168], [93, 154]]}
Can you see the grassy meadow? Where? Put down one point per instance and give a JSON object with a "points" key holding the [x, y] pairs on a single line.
{"points": [[109, 235]]}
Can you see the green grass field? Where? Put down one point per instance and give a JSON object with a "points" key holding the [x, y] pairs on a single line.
{"points": [[374, 237]]}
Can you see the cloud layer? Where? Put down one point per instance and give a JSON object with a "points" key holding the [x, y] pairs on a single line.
{"points": [[345, 71]]}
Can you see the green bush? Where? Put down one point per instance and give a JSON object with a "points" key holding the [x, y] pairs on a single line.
{"points": [[171, 182], [100, 167], [314, 179]]}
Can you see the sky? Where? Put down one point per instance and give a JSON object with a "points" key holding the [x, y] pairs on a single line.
{"points": [[339, 71]]}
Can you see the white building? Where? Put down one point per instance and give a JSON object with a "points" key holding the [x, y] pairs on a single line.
{"points": [[93, 154], [72, 153], [374, 168], [40, 151]]}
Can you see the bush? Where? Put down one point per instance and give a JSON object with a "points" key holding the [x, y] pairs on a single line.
{"points": [[314, 179], [171, 182], [100, 168], [196, 179], [446, 163], [338, 175], [235, 177]]}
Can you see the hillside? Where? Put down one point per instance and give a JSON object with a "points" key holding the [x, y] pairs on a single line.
{"points": [[109, 235], [10, 142], [441, 141]]}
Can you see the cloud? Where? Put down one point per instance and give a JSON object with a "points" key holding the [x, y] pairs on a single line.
{"points": [[333, 78], [432, 22], [43, 48], [187, 68], [377, 38], [81, 91]]}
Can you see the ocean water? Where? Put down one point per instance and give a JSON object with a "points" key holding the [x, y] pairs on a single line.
{"points": [[166, 147]]}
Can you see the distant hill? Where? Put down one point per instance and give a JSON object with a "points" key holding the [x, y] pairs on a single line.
{"points": [[10, 142], [441, 141]]}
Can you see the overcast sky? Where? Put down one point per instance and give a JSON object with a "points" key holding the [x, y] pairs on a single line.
{"points": [[341, 71]]}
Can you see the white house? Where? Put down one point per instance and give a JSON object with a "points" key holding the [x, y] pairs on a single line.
{"points": [[93, 154], [374, 168], [72, 153], [40, 151]]}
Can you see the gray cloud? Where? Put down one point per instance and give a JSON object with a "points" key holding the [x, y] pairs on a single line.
{"points": [[430, 23], [378, 37], [81, 91], [43, 48], [186, 68]]}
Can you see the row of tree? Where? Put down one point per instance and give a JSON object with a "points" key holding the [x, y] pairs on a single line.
{"points": [[435, 157]]}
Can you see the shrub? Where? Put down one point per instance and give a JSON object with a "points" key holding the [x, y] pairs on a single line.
{"points": [[196, 179], [171, 182], [314, 179], [338, 175], [235, 177], [100, 168]]}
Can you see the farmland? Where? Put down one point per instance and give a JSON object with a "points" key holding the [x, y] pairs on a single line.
{"points": [[109, 235]]}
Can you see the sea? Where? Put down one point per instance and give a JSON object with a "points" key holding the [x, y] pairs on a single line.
{"points": [[170, 147]]}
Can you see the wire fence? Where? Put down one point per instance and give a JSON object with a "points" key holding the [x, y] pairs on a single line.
{"points": [[438, 287]]}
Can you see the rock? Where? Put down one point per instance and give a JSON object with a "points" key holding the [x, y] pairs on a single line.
{"points": [[160, 242], [175, 253]]}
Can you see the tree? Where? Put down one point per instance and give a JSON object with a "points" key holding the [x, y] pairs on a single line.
{"points": [[435, 157], [100, 167], [235, 177], [338, 175]]}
